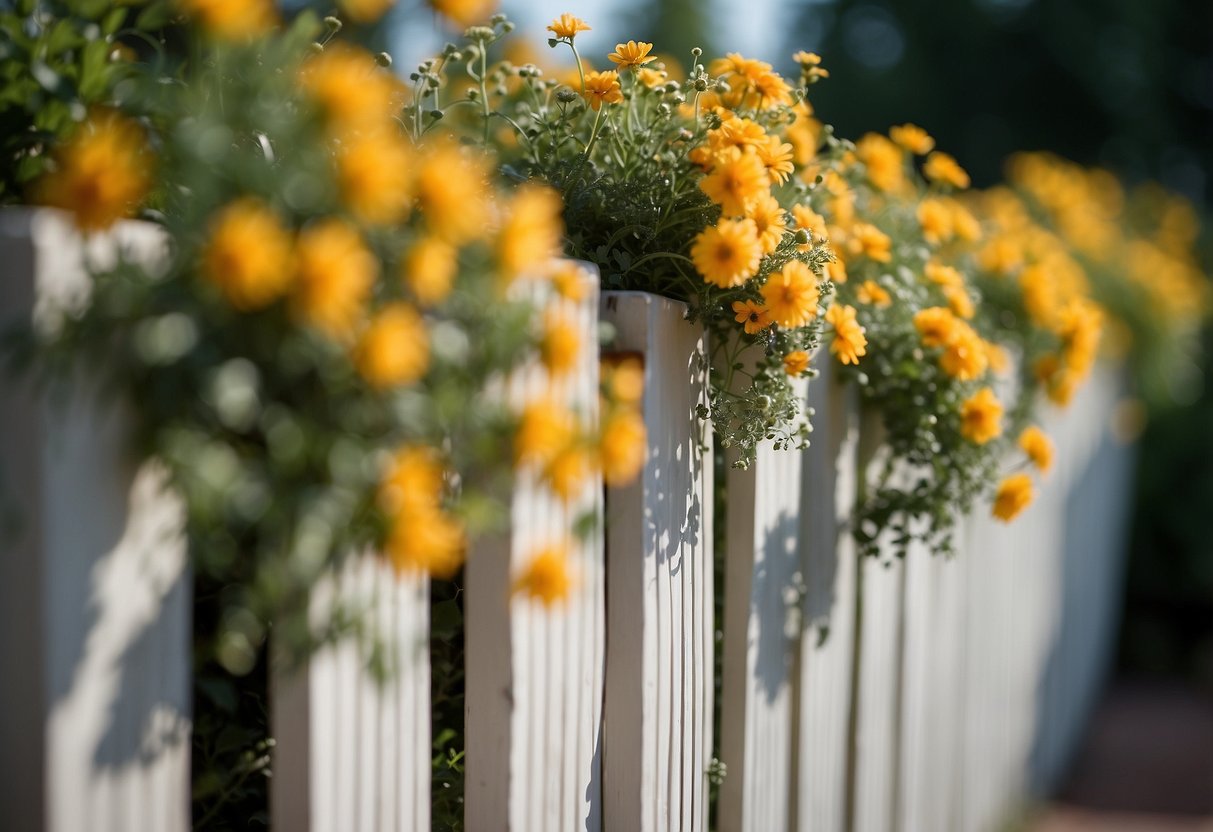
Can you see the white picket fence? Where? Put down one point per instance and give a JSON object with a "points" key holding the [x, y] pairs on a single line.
{"points": [[882, 694]]}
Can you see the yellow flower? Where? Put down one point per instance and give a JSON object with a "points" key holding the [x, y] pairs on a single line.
{"points": [[808, 219], [413, 480], [568, 472], [602, 88], [869, 241], [776, 157], [997, 357], [1001, 255], [942, 168], [796, 362], [623, 379], [1036, 444], [736, 182], [351, 89], [560, 346], [571, 281], [959, 301], [912, 138], [836, 270], [652, 78], [365, 11], [464, 13], [770, 220], [791, 295], [232, 19], [883, 161], [394, 349], [452, 195], [530, 234], [728, 253], [810, 66], [944, 276], [374, 172], [849, 343], [567, 26], [547, 578], [544, 427], [335, 273], [872, 292], [623, 447], [248, 254], [428, 269], [966, 225], [102, 172], [964, 357], [754, 316], [981, 417], [936, 326], [427, 540], [632, 54], [1014, 495], [936, 220]]}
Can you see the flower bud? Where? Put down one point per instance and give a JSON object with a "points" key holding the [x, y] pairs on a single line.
{"points": [[333, 23], [383, 59]]}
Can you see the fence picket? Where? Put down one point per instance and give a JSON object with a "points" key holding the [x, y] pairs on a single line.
{"points": [[659, 563]]}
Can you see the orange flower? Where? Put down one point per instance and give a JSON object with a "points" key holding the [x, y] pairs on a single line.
{"points": [[849, 342], [632, 54], [754, 316], [602, 88], [796, 362], [567, 26]]}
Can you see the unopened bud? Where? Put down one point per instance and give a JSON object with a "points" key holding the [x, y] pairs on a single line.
{"points": [[333, 23], [383, 59]]}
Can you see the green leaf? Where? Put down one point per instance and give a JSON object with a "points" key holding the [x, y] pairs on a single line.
{"points": [[113, 21]]}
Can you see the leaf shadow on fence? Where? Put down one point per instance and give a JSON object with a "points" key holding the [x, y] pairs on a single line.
{"points": [[773, 604]]}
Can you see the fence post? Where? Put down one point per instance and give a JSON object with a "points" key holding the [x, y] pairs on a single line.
{"points": [[659, 688], [94, 584], [761, 627], [535, 674], [352, 752], [827, 639]]}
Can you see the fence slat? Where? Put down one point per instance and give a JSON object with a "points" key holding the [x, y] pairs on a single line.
{"points": [[761, 626], [535, 674], [345, 740], [659, 536], [828, 620], [94, 728]]}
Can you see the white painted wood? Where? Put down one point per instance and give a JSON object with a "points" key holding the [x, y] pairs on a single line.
{"points": [[761, 633], [828, 560], [352, 751], [535, 674], [94, 585], [659, 689]]}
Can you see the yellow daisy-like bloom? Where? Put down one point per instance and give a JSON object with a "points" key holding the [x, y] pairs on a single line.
{"points": [[728, 253], [452, 195], [365, 11], [796, 362], [1001, 255], [568, 472], [544, 428], [770, 220], [464, 13], [849, 342], [248, 254], [547, 578], [394, 349], [753, 316], [1037, 445], [959, 301], [602, 88], [737, 181], [652, 78], [912, 138], [943, 169], [944, 276], [884, 162], [428, 270], [632, 54], [936, 325], [965, 224], [936, 219], [571, 281], [808, 219], [776, 157], [413, 479], [867, 240], [102, 172], [374, 172], [567, 26], [873, 293], [981, 417], [335, 272], [623, 447], [791, 295], [350, 88], [427, 540], [964, 357], [560, 346], [836, 270], [1014, 495], [530, 235], [231, 19], [623, 379]]}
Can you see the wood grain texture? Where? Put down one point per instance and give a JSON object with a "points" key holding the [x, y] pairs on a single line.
{"points": [[659, 688], [93, 575], [535, 674]]}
